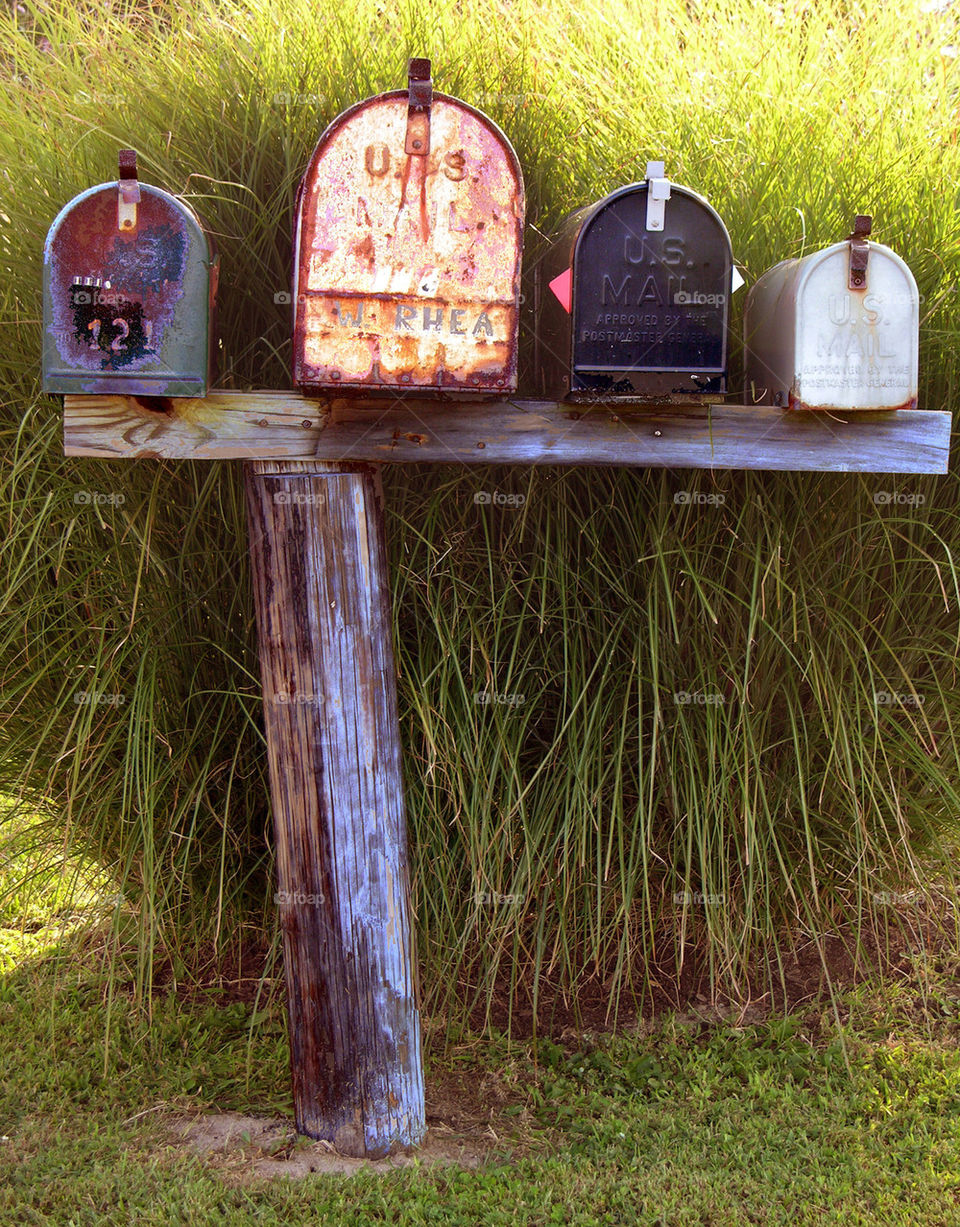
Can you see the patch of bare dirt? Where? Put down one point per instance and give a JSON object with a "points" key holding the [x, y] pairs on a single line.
{"points": [[251, 1146], [246, 973], [797, 977], [466, 1127]]}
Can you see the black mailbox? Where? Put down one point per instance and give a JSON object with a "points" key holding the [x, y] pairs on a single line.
{"points": [[632, 298]]}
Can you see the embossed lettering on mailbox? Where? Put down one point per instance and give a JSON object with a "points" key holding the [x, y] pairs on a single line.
{"points": [[408, 248]]}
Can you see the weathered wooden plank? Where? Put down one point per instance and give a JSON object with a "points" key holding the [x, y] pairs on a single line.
{"points": [[220, 426], [333, 741], [285, 425]]}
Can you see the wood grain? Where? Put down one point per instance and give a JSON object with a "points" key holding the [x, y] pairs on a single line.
{"points": [[330, 713], [286, 425]]}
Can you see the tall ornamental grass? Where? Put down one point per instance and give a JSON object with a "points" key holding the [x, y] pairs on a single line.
{"points": [[649, 717]]}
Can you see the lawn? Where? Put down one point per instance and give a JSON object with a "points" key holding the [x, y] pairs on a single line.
{"points": [[850, 1118]]}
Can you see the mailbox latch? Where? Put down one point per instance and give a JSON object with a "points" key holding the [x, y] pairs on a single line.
{"points": [[859, 251], [128, 195], [420, 96], [658, 191]]}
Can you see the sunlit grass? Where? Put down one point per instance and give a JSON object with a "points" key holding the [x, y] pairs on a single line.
{"points": [[817, 762], [48, 891]]}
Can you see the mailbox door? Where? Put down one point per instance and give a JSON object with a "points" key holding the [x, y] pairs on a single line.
{"points": [[650, 307], [407, 265], [127, 310], [856, 348]]}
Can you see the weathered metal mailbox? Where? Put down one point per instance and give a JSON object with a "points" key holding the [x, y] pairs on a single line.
{"points": [[129, 288], [407, 251], [838, 329], [632, 298]]}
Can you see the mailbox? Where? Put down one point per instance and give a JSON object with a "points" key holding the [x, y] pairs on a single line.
{"points": [[632, 298], [129, 285], [838, 329], [407, 250]]}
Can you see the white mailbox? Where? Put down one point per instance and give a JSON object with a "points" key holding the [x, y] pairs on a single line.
{"points": [[835, 330]]}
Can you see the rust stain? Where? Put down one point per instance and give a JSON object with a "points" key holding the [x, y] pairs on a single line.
{"points": [[363, 250], [836, 331], [796, 403], [407, 268]]}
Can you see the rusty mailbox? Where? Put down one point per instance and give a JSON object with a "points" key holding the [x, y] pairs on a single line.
{"points": [[632, 296], [129, 286], [838, 329], [407, 251]]}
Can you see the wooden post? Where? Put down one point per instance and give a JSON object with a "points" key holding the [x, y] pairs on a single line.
{"points": [[330, 710]]}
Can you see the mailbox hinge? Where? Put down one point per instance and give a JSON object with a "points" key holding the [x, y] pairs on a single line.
{"points": [[128, 195], [859, 251], [420, 99], [658, 191]]}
